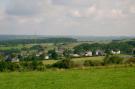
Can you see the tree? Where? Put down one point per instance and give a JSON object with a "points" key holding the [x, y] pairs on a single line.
{"points": [[112, 59], [53, 54], [1, 57], [65, 63], [67, 53]]}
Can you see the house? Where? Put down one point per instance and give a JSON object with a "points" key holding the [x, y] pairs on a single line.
{"points": [[88, 53], [99, 53], [75, 55], [133, 51], [46, 57], [39, 54], [10, 59], [60, 50], [116, 52]]}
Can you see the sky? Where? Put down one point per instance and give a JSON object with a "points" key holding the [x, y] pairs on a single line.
{"points": [[68, 17]]}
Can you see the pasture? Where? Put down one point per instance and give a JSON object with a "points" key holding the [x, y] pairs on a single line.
{"points": [[92, 78]]}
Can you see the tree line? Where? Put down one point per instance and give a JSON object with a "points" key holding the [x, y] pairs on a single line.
{"points": [[124, 47], [30, 41]]}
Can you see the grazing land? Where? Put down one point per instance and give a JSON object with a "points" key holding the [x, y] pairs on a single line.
{"points": [[105, 78]]}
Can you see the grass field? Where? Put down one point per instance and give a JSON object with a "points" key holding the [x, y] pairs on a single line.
{"points": [[106, 78], [78, 60]]}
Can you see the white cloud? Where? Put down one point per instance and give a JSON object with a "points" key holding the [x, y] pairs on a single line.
{"points": [[132, 9], [117, 13], [52, 16], [75, 13], [23, 7], [2, 14]]}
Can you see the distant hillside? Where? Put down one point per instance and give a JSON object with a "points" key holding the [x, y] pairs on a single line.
{"points": [[79, 38], [102, 38], [34, 39]]}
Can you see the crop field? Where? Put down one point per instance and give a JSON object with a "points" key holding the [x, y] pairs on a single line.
{"points": [[105, 78]]}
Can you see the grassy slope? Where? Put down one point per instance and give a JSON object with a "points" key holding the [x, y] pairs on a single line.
{"points": [[120, 78]]}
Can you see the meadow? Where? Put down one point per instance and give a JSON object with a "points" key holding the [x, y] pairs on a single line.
{"points": [[92, 78]]}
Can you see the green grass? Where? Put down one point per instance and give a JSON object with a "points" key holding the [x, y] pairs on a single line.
{"points": [[78, 60], [88, 58], [106, 78]]}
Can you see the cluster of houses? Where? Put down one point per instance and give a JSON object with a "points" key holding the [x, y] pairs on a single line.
{"points": [[60, 51], [95, 53], [89, 53], [23, 54]]}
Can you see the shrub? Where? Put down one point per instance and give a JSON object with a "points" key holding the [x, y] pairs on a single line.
{"points": [[34, 65], [13, 66], [92, 63], [41, 67], [65, 63], [22, 66], [77, 65], [130, 60], [113, 59], [3, 66], [8, 66]]}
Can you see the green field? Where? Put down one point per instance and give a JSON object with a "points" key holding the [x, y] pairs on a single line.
{"points": [[105, 78], [77, 60]]}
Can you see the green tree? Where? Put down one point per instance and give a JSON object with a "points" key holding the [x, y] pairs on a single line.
{"points": [[1, 57], [53, 54]]}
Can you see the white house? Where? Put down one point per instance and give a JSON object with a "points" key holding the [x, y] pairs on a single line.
{"points": [[89, 53], [46, 57], [76, 55], [99, 53], [115, 52]]}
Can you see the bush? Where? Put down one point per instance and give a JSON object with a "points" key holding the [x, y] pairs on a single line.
{"points": [[13, 66], [3, 66], [22, 66], [113, 59], [8, 66], [34, 65], [92, 63], [130, 60], [65, 63]]}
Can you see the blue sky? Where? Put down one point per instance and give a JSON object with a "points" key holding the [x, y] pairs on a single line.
{"points": [[67, 17]]}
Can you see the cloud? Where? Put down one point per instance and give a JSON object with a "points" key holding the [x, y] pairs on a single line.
{"points": [[2, 14], [96, 13], [117, 13], [91, 10], [75, 13], [53, 17], [132, 9], [60, 2], [23, 7]]}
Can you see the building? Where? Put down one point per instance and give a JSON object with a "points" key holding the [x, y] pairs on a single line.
{"points": [[10, 59], [116, 52], [46, 57], [88, 53], [133, 51], [75, 55], [99, 53]]}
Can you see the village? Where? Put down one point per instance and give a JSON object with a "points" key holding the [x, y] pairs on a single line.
{"points": [[57, 53]]}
